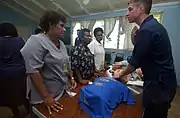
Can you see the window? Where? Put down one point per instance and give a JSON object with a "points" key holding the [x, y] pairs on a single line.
{"points": [[74, 35], [112, 41], [158, 16], [121, 41]]}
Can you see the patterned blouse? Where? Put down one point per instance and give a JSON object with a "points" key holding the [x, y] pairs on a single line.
{"points": [[83, 59]]}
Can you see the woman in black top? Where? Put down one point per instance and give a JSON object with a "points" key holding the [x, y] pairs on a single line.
{"points": [[12, 69], [82, 60]]}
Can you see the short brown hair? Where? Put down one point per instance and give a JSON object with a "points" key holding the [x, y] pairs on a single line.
{"points": [[50, 18], [146, 3]]}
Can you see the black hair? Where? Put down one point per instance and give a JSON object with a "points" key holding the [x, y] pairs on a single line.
{"points": [[81, 33], [8, 29], [96, 30]]}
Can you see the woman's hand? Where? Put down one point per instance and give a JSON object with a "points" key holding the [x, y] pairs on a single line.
{"points": [[73, 84], [97, 74], [96, 70], [51, 104], [84, 81]]}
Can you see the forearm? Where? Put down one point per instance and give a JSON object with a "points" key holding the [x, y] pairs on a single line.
{"points": [[129, 69], [70, 75], [78, 75], [37, 80]]}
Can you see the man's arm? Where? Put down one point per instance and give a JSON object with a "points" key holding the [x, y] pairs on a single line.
{"points": [[77, 74], [129, 69], [141, 51]]}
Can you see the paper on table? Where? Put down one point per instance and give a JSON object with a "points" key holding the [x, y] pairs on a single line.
{"points": [[135, 91], [90, 82], [136, 83], [70, 93]]}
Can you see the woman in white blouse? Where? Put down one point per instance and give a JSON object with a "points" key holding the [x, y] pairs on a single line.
{"points": [[97, 49]]}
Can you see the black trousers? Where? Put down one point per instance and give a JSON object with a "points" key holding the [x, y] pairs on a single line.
{"points": [[158, 95], [156, 111], [13, 90]]}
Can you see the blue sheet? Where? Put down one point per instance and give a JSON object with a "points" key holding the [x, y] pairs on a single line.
{"points": [[103, 96]]}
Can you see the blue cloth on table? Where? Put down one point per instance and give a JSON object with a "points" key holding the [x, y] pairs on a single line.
{"points": [[103, 96]]}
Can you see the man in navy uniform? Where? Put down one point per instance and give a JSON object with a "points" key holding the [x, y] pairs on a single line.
{"points": [[152, 52]]}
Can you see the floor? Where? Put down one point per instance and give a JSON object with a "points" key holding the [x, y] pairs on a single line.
{"points": [[173, 112]]}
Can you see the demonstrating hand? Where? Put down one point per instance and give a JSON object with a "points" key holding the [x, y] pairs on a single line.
{"points": [[118, 76], [83, 81], [51, 104], [73, 84]]}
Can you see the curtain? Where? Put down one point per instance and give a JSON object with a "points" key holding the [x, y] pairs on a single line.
{"points": [[89, 24], [85, 24], [127, 28], [72, 27], [109, 25], [120, 30]]}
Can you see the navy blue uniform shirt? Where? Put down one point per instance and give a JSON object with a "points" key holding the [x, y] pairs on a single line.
{"points": [[152, 52]]}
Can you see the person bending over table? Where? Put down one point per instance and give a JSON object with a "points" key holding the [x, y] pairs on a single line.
{"points": [[47, 62], [152, 52], [82, 60]]}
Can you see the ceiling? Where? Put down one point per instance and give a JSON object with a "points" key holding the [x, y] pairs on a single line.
{"points": [[71, 8]]}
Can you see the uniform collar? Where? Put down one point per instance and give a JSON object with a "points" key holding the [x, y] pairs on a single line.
{"points": [[150, 17], [97, 43]]}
